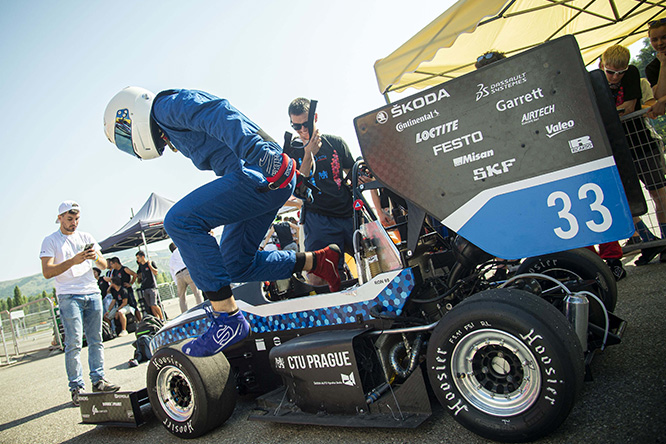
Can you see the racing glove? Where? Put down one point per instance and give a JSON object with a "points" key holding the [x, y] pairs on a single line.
{"points": [[278, 168], [301, 190]]}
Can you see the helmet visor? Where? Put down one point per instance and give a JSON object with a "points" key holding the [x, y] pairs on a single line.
{"points": [[123, 131]]}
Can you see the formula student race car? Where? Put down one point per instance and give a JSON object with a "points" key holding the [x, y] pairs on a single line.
{"points": [[505, 357]]}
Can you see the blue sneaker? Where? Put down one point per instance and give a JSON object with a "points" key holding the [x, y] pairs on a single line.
{"points": [[224, 331]]}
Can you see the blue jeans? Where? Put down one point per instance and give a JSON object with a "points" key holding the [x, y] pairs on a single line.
{"points": [[320, 231], [81, 313], [235, 201]]}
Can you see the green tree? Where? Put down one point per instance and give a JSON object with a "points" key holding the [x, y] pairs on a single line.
{"points": [[3, 305], [19, 299]]}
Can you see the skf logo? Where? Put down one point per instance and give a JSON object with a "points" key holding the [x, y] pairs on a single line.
{"points": [[348, 379], [493, 170], [580, 144], [382, 117]]}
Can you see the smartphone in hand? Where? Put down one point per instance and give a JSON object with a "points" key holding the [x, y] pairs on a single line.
{"points": [[88, 247]]}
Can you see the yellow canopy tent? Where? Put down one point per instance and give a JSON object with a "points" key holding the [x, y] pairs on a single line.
{"points": [[449, 46]]}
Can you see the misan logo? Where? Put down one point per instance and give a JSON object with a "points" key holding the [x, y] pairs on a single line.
{"points": [[558, 128], [419, 102], [495, 169], [535, 115], [472, 157], [535, 94], [580, 144], [348, 379]]}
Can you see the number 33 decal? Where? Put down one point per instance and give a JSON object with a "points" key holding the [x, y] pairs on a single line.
{"points": [[564, 213]]}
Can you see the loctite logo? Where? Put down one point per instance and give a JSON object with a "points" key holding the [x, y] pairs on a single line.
{"points": [[418, 103]]}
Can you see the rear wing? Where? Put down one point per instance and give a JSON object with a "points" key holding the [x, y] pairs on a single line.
{"points": [[515, 157]]}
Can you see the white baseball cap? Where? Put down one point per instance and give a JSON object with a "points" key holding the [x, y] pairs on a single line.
{"points": [[67, 206]]}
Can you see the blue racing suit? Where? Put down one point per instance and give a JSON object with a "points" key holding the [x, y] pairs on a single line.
{"points": [[216, 136]]}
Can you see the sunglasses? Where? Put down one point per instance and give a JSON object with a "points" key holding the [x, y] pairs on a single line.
{"points": [[657, 22], [298, 126], [490, 55], [610, 72]]}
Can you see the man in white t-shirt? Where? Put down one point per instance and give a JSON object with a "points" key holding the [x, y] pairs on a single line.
{"points": [[181, 276], [68, 256]]}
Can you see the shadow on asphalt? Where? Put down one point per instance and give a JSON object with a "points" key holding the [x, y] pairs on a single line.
{"points": [[37, 415]]}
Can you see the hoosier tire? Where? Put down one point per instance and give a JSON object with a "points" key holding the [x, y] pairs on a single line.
{"points": [[190, 396], [580, 263], [506, 365]]}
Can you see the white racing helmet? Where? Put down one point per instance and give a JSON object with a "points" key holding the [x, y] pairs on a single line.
{"points": [[128, 125]]}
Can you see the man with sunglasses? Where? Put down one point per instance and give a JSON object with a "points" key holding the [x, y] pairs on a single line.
{"points": [[254, 180], [624, 81], [324, 160]]}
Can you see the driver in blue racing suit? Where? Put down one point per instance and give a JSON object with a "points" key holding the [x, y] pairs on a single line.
{"points": [[256, 179]]}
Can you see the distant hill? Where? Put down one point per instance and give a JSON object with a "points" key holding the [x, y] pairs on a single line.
{"points": [[35, 284]]}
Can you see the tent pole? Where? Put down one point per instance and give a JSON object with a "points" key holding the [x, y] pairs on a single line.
{"points": [[145, 244]]}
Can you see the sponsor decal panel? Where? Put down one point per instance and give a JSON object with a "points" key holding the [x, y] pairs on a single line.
{"points": [[349, 380], [322, 360], [536, 114], [437, 131], [505, 104], [580, 144], [472, 157], [485, 91], [457, 143], [409, 106], [401, 126], [558, 128], [495, 169]]}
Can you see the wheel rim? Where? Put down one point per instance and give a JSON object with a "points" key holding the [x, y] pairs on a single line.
{"points": [[175, 393], [496, 372]]}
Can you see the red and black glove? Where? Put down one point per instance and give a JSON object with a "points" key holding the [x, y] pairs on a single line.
{"points": [[279, 171]]}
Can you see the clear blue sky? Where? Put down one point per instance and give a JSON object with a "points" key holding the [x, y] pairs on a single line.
{"points": [[62, 62]]}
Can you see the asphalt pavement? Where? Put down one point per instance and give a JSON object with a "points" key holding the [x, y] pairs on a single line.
{"points": [[625, 403]]}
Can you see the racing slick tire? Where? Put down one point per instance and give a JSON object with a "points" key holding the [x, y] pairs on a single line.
{"points": [[506, 364], [580, 263], [190, 396]]}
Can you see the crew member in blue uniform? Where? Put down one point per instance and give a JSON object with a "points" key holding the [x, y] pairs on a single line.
{"points": [[256, 179]]}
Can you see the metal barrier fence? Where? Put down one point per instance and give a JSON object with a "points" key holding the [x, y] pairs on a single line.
{"points": [[27, 328], [647, 150]]}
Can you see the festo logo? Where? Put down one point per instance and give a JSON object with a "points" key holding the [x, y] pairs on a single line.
{"points": [[419, 102], [559, 127]]}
